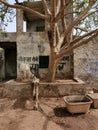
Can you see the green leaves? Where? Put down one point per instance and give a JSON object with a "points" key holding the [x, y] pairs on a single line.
{"points": [[6, 15]]}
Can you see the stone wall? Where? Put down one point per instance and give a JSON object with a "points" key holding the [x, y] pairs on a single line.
{"points": [[86, 62], [14, 89]]}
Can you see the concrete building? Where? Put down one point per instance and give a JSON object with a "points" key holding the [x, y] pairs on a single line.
{"points": [[32, 47]]}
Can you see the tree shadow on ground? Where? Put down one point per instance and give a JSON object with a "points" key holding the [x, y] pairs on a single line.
{"points": [[62, 112]]}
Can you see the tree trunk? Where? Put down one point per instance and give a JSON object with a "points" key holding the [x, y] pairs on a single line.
{"points": [[52, 66]]}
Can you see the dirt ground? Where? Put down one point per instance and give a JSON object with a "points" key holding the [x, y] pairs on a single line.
{"points": [[18, 114]]}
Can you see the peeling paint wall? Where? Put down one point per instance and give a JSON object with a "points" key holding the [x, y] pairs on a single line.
{"points": [[86, 62], [65, 68], [29, 47]]}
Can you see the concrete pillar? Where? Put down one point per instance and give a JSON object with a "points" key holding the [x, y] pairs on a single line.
{"points": [[19, 20]]}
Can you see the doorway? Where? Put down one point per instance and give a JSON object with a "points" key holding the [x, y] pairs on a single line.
{"points": [[10, 60], [10, 63]]}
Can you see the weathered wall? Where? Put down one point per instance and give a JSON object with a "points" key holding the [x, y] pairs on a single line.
{"points": [[32, 45], [14, 89], [28, 49], [7, 37], [32, 26], [41, 48], [19, 20], [86, 62], [65, 68]]}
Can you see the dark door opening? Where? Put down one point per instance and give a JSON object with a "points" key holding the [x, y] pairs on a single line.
{"points": [[10, 63], [10, 59]]}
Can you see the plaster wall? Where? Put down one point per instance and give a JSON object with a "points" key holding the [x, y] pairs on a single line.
{"points": [[7, 37], [32, 44], [29, 47], [19, 20], [86, 62], [32, 26]]}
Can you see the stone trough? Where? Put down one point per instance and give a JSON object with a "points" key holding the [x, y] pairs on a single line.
{"points": [[77, 103], [94, 97]]}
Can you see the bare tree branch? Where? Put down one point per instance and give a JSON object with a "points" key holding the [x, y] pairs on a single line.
{"points": [[58, 16], [64, 25], [93, 12], [58, 34], [25, 9], [53, 24], [84, 36], [82, 29], [58, 6], [46, 7], [77, 40], [71, 48], [73, 12], [80, 17], [53, 8]]}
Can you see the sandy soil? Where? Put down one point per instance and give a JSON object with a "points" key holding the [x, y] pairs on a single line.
{"points": [[18, 114]]}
